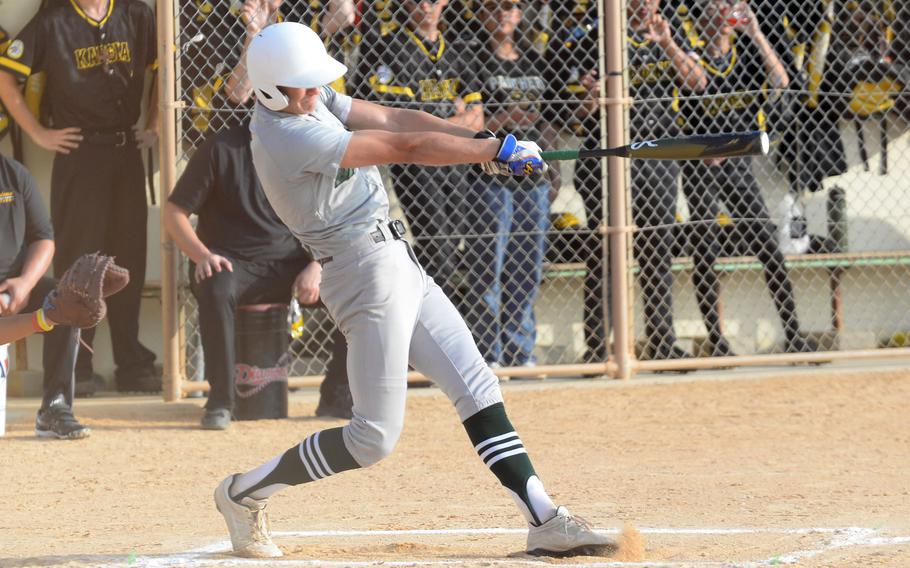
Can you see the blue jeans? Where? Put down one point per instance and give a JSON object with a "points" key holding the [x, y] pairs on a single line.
{"points": [[505, 251]]}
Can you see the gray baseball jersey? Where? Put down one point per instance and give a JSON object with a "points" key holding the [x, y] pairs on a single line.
{"points": [[391, 313], [298, 160]]}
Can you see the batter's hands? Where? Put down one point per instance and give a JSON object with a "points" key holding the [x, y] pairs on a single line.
{"points": [[210, 264], [18, 291], [145, 138], [62, 140], [257, 14], [306, 286], [519, 158]]}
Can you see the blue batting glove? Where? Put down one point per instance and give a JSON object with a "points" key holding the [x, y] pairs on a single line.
{"points": [[520, 157]]}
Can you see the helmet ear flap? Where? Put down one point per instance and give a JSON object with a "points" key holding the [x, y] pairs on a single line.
{"points": [[272, 98]]}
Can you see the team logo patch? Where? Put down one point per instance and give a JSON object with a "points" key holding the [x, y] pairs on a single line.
{"points": [[384, 74], [7, 197], [15, 49]]}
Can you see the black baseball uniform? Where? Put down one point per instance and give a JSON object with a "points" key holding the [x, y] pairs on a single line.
{"points": [[23, 221], [653, 84], [95, 76], [408, 71], [236, 221], [736, 87]]}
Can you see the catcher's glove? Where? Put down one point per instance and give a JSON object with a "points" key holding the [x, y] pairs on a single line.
{"points": [[78, 299]]}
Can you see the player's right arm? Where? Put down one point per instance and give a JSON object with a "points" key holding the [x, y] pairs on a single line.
{"points": [[56, 140], [378, 147]]}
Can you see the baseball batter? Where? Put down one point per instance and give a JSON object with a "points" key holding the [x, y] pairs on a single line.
{"points": [[316, 152]]}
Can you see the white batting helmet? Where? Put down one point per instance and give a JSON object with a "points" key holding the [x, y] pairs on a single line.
{"points": [[288, 54]]}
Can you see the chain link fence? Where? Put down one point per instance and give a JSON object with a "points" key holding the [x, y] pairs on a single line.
{"points": [[805, 250]]}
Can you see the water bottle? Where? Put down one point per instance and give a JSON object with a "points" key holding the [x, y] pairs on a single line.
{"points": [[295, 320]]}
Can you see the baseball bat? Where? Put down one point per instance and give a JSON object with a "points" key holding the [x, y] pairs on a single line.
{"points": [[678, 148]]}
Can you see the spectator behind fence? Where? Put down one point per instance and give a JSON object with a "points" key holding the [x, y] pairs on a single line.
{"points": [[96, 55], [658, 66], [26, 250], [418, 68], [742, 69], [213, 41], [241, 254], [507, 218]]}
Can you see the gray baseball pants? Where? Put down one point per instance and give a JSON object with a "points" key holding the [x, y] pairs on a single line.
{"points": [[393, 314]]}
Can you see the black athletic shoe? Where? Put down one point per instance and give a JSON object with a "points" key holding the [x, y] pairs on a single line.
{"points": [[57, 421], [337, 404], [88, 385], [140, 379]]}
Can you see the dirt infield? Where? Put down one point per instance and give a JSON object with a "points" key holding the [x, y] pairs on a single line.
{"points": [[800, 467]]}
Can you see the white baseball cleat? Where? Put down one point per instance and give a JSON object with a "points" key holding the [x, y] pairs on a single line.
{"points": [[248, 523], [566, 535]]}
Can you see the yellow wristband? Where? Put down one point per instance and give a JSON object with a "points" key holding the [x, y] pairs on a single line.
{"points": [[42, 322]]}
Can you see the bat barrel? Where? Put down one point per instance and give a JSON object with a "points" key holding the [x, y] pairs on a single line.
{"points": [[700, 147]]}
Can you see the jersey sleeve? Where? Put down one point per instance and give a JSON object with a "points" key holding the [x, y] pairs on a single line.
{"points": [[338, 104], [25, 55], [37, 221], [198, 179], [150, 31], [305, 148]]}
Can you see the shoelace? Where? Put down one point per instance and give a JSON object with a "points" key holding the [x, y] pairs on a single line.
{"points": [[261, 525], [580, 521]]}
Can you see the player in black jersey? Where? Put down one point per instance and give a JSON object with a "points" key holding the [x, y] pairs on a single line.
{"points": [[96, 54], [658, 67], [742, 69], [419, 67]]}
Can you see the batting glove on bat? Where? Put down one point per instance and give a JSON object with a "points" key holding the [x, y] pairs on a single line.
{"points": [[516, 158], [78, 299]]}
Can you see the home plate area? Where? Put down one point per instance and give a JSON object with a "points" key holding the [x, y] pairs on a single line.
{"points": [[659, 547]]}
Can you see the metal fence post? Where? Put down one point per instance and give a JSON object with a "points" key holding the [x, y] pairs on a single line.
{"points": [[614, 49], [167, 146]]}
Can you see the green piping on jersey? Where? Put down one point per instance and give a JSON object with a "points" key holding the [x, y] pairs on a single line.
{"points": [[97, 24]]}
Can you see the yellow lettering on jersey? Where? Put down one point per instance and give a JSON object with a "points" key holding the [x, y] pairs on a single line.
{"points": [[722, 104], [113, 52], [433, 90], [7, 197], [648, 73]]}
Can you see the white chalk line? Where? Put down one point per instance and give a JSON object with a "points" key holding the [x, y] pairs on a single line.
{"points": [[838, 538]]}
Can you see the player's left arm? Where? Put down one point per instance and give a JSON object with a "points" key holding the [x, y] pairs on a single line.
{"points": [[14, 328], [365, 115]]}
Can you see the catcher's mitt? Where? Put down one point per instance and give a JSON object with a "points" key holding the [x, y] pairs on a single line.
{"points": [[78, 299]]}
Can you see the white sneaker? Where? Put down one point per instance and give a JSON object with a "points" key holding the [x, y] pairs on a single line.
{"points": [[248, 523], [565, 535]]}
